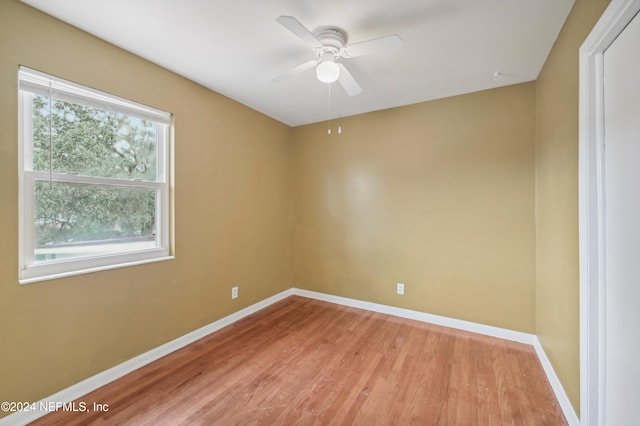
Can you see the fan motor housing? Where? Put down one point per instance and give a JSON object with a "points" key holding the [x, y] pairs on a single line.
{"points": [[333, 40]]}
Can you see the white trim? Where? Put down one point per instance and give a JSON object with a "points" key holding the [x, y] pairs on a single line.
{"points": [[487, 330], [94, 382], [82, 388], [40, 83], [556, 385], [591, 208], [153, 257]]}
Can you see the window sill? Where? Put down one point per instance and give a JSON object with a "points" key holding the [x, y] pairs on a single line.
{"points": [[91, 270]]}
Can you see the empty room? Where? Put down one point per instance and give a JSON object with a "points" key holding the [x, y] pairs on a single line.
{"points": [[296, 212]]}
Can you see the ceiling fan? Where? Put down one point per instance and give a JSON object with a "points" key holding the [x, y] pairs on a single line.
{"points": [[329, 45]]}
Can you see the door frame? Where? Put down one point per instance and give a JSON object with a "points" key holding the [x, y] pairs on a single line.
{"points": [[592, 230]]}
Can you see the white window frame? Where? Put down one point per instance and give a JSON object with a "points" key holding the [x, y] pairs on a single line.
{"points": [[34, 82]]}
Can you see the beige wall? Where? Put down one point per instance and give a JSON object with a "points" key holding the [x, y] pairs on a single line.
{"points": [[438, 195], [557, 281], [233, 218]]}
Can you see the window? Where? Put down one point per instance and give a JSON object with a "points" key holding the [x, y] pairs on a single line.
{"points": [[94, 191]]}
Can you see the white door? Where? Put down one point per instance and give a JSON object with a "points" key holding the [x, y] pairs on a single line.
{"points": [[622, 227]]}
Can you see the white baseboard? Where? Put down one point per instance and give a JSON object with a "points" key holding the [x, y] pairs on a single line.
{"points": [[487, 330], [82, 388], [558, 390]]}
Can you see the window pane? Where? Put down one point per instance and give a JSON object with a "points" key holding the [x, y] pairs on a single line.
{"points": [[92, 142], [78, 220]]}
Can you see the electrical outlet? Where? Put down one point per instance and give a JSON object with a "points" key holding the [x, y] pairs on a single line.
{"points": [[400, 288], [234, 293]]}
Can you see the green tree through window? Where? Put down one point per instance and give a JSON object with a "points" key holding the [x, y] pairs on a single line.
{"points": [[91, 142]]}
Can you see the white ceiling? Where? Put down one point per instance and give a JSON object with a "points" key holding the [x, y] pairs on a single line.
{"points": [[235, 48]]}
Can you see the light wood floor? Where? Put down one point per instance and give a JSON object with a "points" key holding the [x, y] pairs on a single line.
{"points": [[303, 362]]}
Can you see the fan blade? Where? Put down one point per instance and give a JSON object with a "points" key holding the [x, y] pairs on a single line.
{"points": [[293, 25], [375, 45], [297, 70], [348, 83]]}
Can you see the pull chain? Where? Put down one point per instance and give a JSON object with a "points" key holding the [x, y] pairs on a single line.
{"points": [[329, 130], [339, 111]]}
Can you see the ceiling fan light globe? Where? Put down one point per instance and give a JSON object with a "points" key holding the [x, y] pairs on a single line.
{"points": [[328, 72]]}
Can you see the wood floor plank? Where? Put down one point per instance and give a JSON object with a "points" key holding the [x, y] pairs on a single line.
{"points": [[307, 362], [488, 399]]}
